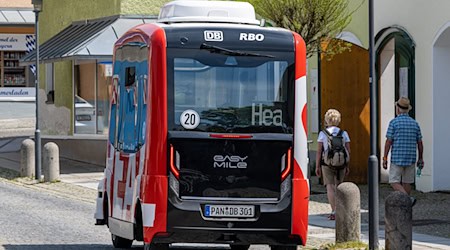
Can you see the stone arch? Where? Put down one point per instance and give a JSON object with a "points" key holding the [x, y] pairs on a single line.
{"points": [[395, 74], [349, 37]]}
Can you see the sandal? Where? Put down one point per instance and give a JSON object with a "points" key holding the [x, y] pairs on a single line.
{"points": [[332, 216]]}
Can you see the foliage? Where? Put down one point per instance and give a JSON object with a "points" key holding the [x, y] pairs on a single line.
{"points": [[316, 21]]}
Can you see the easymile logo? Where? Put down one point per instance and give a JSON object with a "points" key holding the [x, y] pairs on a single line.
{"points": [[229, 161]]}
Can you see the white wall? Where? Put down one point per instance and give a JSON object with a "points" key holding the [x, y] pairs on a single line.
{"points": [[441, 103], [423, 20], [387, 97]]}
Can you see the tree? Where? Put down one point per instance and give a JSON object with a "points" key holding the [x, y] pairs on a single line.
{"points": [[316, 21]]}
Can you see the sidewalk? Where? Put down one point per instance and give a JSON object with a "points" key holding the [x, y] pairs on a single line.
{"points": [[71, 171], [420, 241], [320, 228]]}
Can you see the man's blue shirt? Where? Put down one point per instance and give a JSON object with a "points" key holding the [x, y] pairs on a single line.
{"points": [[404, 132]]}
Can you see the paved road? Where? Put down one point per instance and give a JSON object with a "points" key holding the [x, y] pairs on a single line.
{"points": [[17, 110], [30, 219]]}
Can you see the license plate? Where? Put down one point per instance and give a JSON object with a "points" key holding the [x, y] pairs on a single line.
{"points": [[82, 118], [235, 211]]}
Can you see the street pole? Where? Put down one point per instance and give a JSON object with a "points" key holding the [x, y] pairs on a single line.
{"points": [[373, 160], [37, 133]]}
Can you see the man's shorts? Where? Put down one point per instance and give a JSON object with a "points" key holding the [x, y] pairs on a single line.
{"points": [[330, 175], [401, 174]]}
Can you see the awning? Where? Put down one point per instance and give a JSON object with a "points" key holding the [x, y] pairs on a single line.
{"points": [[16, 16], [89, 39]]}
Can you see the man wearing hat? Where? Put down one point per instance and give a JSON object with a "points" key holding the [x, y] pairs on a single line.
{"points": [[404, 137]]}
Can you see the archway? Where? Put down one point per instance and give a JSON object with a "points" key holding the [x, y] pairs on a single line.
{"points": [[395, 72], [441, 104]]}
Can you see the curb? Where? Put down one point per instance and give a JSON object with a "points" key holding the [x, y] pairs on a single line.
{"points": [[57, 188]]}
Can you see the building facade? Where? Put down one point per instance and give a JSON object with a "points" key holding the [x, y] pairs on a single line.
{"points": [[413, 47], [75, 82], [412, 57], [16, 39]]}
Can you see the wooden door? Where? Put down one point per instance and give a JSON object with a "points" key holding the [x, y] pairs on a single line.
{"points": [[344, 85]]}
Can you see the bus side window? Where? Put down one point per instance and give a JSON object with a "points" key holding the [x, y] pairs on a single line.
{"points": [[114, 120], [128, 111], [130, 73], [142, 107]]}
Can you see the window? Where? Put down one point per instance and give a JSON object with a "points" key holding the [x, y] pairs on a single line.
{"points": [[130, 76], [231, 93], [128, 102], [49, 83]]}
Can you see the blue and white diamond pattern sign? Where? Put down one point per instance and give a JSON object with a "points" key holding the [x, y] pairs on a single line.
{"points": [[31, 45]]}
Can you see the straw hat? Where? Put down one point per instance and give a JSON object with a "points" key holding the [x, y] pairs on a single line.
{"points": [[403, 103]]}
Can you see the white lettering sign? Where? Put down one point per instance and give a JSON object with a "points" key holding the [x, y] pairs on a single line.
{"points": [[13, 42], [251, 37], [266, 117], [17, 94], [213, 35]]}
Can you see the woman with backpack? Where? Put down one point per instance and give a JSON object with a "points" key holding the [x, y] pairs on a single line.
{"points": [[333, 155]]}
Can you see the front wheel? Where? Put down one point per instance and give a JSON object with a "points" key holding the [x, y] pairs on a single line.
{"points": [[158, 246], [119, 242]]}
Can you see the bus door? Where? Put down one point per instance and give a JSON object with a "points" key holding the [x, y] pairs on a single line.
{"points": [[127, 129]]}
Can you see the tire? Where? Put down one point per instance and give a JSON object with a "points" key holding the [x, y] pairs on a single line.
{"points": [[138, 228], [106, 210], [119, 242], [239, 247], [153, 246], [283, 247]]}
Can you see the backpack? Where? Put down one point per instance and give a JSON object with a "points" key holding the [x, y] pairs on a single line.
{"points": [[336, 154]]}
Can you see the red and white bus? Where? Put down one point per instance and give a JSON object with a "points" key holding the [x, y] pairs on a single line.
{"points": [[207, 132]]}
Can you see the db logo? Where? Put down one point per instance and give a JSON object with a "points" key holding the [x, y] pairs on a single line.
{"points": [[213, 35], [251, 37]]}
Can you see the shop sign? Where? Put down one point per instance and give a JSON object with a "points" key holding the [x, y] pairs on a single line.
{"points": [[15, 42], [12, 93]]}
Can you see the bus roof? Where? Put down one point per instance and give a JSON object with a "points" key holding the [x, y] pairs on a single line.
{"points": [[208, 11]]}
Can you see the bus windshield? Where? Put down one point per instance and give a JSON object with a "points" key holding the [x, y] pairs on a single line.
{"points": [[231, 91]]}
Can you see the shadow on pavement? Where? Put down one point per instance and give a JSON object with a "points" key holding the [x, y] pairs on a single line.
{"points": [[59, 246]]}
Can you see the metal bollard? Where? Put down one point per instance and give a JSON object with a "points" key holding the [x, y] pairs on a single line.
{"points": [[50, 164], [398, 220], [348, 215], [27, 167]]}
